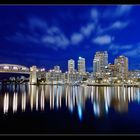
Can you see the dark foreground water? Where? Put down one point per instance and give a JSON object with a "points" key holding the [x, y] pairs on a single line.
{"points": [[46, 109]]}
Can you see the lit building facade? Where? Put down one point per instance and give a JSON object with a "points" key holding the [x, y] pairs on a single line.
{"points": [[57, 68], [112, 69], [33, 75], [100, 61], [71, 66], [81, 65], [134, 74], [122, 67]]}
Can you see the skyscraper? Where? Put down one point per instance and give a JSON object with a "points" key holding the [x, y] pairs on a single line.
{"points": [[100, 61], [122, 66], [71, 66], [81, 65]]}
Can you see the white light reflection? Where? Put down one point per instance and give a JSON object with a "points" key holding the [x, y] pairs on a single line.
{"points": [[60, 97], [23, 104], [92, 93], [6, 103], [124, 93], [132, 94], [15, 99], [129, 98], [50, 97], [42, 99], [57, 97], [66, 97], [118, 92], [37, 99]]}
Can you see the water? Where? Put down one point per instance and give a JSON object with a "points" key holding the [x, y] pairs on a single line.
{"points": [[47, 109]]}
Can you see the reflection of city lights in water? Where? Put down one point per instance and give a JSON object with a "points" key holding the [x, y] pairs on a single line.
{"points": [[23, 105], [97, 92], [73, 96], [53, 99], [118, 92], [132, 95], [57, 96], [31, 101], [66, 96], [71, 108], [129, 98], [42, 100], [96, 109], [92, 93], [138, 95], [60, 97], [15, 102], [37, 99], [6, 103], [50, 97], [106, 107], [80, 111], [124, 94]]}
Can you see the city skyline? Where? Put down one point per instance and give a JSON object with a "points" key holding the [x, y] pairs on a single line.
{"points": [[46, 36]]}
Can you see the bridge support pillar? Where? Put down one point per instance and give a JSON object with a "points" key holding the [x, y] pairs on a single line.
{"points": [[33, 75]]}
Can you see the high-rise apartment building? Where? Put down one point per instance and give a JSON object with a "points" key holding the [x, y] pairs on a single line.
{"points": [[71, 66], [81, 65], [100, 61], [122, 67]]}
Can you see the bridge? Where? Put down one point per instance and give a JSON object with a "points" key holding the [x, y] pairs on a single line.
{"points": [[12, 68], [19, 69]]}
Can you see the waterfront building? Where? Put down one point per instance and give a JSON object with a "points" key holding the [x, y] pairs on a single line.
{"points": [[81, 65], [71, 66], [100, 61], [122, 67]]}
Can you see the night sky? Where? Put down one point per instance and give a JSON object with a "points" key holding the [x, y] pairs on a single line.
{"points": [[50, 35]]}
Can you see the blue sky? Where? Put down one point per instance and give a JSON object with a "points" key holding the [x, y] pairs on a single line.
{"points": [[50, 35]]}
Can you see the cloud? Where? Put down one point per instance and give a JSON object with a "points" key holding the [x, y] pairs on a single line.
{"points": [[130, 50], [53, 30], [37, 32], [115, 48], [103, 40], [134, 52], [76, 38], [120, 47], [56, 42], [95, 14], [117, 25], [123, 10], [21, 38], [87, 30], [115, 13], [36, 23], [55, 38]]}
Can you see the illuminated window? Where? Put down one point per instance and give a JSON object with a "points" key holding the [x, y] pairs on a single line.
{"points": [[6, 67]]}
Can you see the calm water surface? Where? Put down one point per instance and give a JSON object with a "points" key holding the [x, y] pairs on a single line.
{"points": [[48, 109]]}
